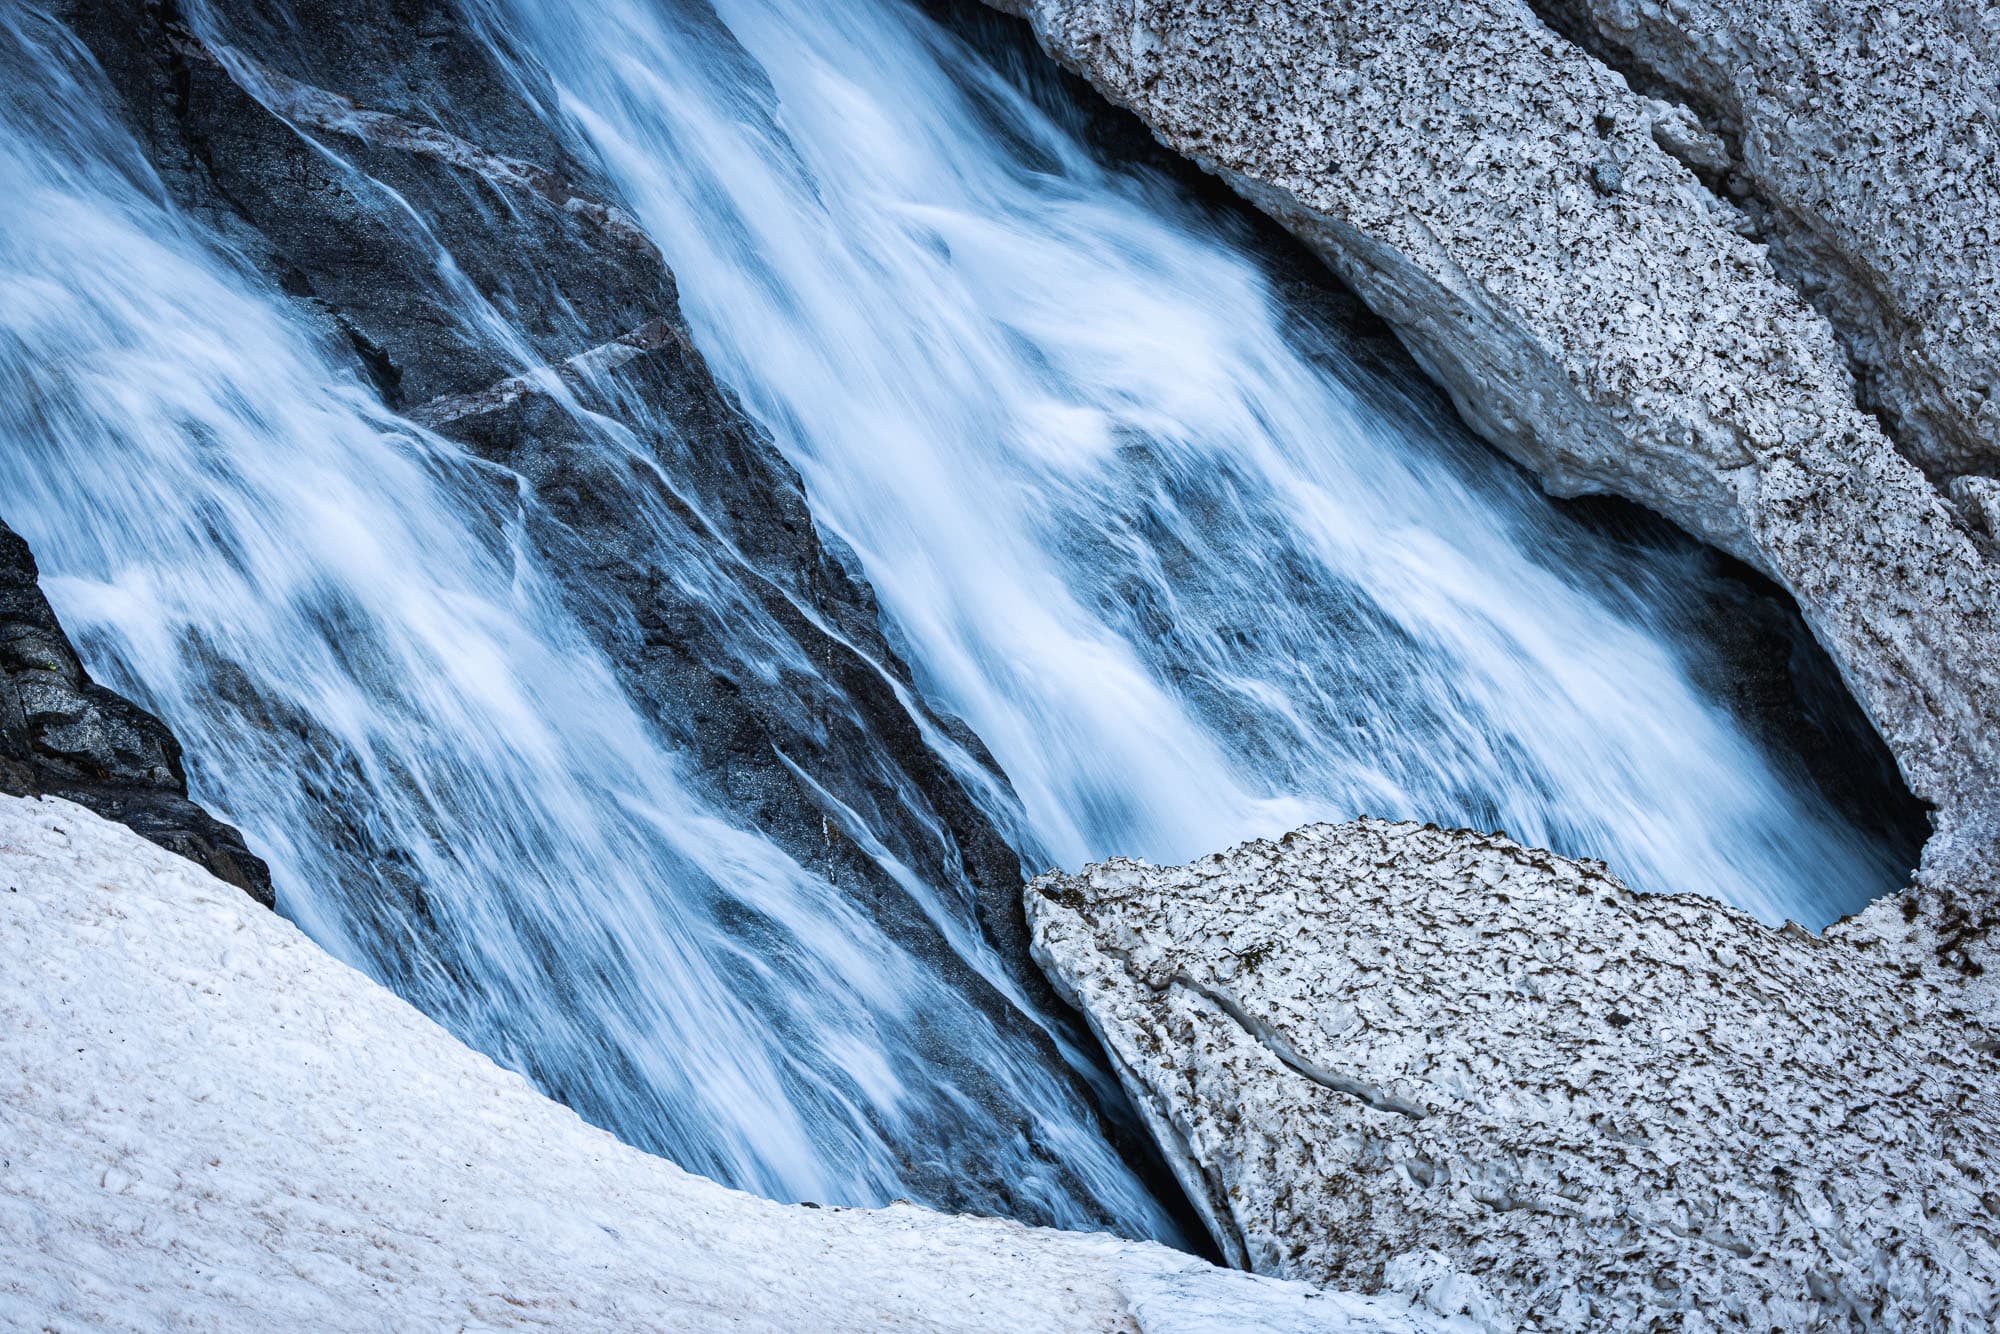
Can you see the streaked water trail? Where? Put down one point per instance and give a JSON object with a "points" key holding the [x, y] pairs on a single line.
{"points": [[346, 620], [1186, 571], [1138, 527]]}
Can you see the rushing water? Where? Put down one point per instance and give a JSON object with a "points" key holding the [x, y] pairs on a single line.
{"points": [[334, 608], [1138, 527], [1153, 537]]}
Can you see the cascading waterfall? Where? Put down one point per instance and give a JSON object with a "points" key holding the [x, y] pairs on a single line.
{"points": [[333, 607], [1134, 524], [1138, 528]]}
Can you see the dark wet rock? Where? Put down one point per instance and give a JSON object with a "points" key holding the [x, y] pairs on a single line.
{"points": [[63, 735]]}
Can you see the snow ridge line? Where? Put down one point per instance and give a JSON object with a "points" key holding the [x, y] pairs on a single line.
{"points": [[1275, 1042]]}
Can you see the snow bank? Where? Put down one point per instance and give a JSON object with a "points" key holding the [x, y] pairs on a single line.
{"points": [[207, 1122], [1864, 156], [1394, 1056]]}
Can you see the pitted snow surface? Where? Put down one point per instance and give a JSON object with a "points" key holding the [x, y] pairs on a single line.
{"points": [[1392, 1056], [1868, 144]]}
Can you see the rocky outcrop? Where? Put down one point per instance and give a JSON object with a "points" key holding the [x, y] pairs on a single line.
{"points": [[64, 735], [1520, 216], [1863, 144], [1388, 1056], [211, 1124]]}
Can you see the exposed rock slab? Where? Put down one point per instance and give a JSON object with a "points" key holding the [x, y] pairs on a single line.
{"points": [[211, 1124], [1505, 202], [1866, 147], [64, 734], [1388, 1055]]}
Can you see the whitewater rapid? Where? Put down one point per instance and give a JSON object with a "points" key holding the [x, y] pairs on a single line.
{"points": [[1149, 533], [347, 623], [1163, 544]]}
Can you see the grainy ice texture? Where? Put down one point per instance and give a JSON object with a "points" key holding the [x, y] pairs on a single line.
{"points": [[1505, 202], [1867, 141], [207, 1123], [1392, 1056]]}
